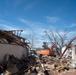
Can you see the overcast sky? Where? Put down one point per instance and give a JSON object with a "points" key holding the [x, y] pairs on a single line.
{"points": [[36, 16]]}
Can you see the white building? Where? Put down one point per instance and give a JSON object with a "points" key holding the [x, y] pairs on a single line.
{"points": [[70, 52]]}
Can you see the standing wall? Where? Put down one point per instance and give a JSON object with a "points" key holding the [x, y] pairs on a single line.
{"points": [[15, 50]]}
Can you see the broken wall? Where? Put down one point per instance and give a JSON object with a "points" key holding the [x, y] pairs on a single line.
{"points": [[15, 50]]}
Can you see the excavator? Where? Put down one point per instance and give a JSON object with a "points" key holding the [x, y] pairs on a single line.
{"points": [[50, 52]]}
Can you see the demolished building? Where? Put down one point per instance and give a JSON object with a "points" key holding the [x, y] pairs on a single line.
{"points": [[11, 43]]}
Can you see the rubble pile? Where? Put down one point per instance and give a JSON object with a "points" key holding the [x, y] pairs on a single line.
{"points": [[48, 65], [14, 66], [32, 65]]}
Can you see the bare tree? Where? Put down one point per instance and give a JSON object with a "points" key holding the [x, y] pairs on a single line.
{"points": [[31, 39], [57, 38]]}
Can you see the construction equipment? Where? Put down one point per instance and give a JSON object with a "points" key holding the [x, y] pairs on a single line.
{"points": [[51, 51]]}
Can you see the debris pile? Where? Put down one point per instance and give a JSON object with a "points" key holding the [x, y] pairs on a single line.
{"points": [[14, 66], [54, 65], [32, 65]]}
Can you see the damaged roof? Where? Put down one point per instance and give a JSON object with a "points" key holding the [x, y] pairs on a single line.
{"points": [[12, 37]]}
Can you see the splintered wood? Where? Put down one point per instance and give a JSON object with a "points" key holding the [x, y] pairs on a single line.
{"points": [[55, 66], [47, 65]]}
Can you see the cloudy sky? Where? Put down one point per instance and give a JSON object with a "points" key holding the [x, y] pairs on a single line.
{"points": [[36, 16]]}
